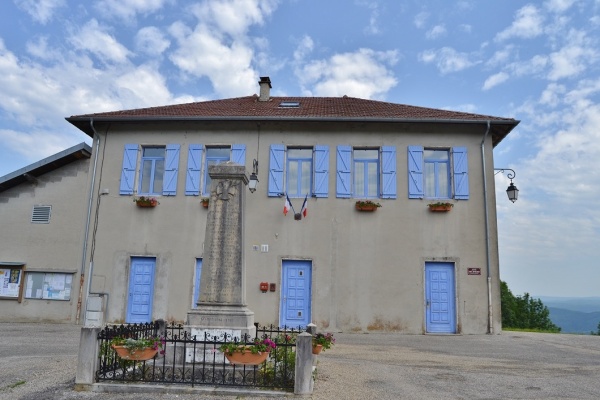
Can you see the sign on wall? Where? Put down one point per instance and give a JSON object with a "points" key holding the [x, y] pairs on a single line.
{"points": [[50, 286], [10, 281]]}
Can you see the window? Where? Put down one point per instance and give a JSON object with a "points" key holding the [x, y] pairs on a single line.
{"points": [[152, 170], [366, 172], [41, 214], [50, 286], [299, 172], [214, 156], [438, 173], [158, 170], [306, 171], [197, 167]]}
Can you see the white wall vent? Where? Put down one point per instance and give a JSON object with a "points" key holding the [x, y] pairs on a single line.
{"points": [[41, 214]]}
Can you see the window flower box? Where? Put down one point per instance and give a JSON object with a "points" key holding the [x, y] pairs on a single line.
{"points": [[367, 205], [440, 207], [144, 201]]}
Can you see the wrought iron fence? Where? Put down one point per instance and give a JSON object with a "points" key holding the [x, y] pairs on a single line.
{"points": [[191, 357]]}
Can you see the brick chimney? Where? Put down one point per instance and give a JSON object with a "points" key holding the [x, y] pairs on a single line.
{"points": [[265, 88]]}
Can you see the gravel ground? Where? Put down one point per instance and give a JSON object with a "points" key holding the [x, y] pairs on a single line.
{"points": [[38, 362]]}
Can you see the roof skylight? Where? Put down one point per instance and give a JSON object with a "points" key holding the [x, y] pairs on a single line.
{"points": [[289, 104]]}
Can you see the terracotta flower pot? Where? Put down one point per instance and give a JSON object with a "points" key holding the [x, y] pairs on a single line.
{"points": [[247, 358], [137, 355], [317, 348]]}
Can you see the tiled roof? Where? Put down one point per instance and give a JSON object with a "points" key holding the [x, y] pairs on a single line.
{"points": [[332, 107], [309, 108]]}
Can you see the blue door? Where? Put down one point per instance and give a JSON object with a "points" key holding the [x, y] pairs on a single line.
{"points": [[141, 290], [439, 297], [197, 276], [295, 293]]}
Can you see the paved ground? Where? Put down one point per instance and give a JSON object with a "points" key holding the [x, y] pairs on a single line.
{"points": [[38, 361]]}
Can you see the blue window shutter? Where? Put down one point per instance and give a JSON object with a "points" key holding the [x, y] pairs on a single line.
{"points": [[192, 177], [388, 172], [171, 169], [276, 160], [238, 154], [128, 171], [415, 172], [344, 168], [321, 171], [461, 173]]}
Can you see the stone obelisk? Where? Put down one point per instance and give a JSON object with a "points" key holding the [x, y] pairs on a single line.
{"points": [[221, 305]]}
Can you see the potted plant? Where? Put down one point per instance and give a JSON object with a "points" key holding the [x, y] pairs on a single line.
{"points": [[204, 201], [248, 354], [367, 205], [322, 341], [137, 349], [440, 206], [144, 201]]}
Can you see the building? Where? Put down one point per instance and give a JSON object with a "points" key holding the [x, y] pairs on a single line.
{"points": [[400, 268], [43, 216]]}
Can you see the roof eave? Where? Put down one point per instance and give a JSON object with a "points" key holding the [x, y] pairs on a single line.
{"points": [[84, 123]]}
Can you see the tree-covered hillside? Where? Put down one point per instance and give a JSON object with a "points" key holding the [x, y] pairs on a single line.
{"points": [[524, 312]]}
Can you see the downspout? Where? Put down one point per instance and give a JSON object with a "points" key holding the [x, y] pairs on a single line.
{"points": [[87, 227], [487, 233]]}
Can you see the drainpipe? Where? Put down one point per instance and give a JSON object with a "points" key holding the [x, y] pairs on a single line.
{"points": [[87, 226], [487, 233]]}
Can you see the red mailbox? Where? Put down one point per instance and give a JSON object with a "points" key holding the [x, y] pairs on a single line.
{"points": [[264, 287]]}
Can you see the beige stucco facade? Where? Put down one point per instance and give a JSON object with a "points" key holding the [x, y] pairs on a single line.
{"points": [[367, 269], [49, 248]]}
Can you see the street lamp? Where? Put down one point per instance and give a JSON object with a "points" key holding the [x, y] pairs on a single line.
{"points": [[512, 191], [253, 182]]}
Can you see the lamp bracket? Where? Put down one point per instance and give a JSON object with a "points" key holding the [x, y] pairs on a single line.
{"points": [[509, 175]]}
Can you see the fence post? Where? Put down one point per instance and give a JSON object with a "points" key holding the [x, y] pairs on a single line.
{"points": [[311, 328], [304, 365], [87, 358]]}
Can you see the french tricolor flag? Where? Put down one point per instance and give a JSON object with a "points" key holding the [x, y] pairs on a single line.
{"points": [[287, 206], [304, 210]]}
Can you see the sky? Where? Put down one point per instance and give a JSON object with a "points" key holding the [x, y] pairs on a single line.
{"points": [[537, 62]]}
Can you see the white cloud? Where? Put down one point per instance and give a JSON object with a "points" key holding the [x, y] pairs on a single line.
{"points": [[447, 59], [420, 19], [467, 28], [36, 145], [559, 6], [363, 73], [218, 47], [150, 40], [436, 32], [528, 23], [552, 95], [495, 80], [41, 10], [501, 57], [573, 58], [305, 47], [94, 39], [233, 17], [128, 9], [227, 65], [373, 28]]}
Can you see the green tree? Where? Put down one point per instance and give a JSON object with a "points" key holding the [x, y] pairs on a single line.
{"points": [[524, 312]]}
